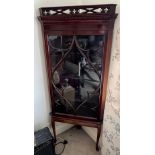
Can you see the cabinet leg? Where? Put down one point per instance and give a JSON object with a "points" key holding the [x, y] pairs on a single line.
{"points": [[98, 137], [54, 131]]}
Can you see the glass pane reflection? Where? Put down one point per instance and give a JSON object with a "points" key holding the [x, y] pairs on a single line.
{"points": [[76, 73]]}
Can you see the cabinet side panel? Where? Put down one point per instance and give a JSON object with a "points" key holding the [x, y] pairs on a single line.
{"points": [[107, 55]]}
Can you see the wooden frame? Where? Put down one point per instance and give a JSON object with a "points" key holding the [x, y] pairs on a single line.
{"points": [[70, 20]]}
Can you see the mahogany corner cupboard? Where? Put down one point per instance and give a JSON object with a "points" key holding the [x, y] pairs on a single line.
{"points": [[77, 45]]}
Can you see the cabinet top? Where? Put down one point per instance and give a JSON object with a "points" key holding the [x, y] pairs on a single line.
{"points": [[106, 11]]}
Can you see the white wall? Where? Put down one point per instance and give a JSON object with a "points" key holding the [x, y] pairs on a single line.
{"points": [[41, 103], [41, 98], [41, 94]]}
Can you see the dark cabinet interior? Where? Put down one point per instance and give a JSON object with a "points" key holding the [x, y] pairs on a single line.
{"points": [[76, 77]]}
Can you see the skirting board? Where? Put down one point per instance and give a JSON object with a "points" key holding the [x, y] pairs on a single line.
{"points": [[61, 127], [92, 132]]}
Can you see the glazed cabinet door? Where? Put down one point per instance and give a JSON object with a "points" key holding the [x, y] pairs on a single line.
{"points": [[76, 68]]}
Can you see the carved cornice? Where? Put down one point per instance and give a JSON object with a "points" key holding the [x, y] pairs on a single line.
{"points": [[106, 11]]}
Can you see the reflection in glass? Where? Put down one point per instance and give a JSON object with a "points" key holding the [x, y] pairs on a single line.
{"points": [[76, 73]]}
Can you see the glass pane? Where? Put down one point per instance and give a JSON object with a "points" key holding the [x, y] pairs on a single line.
{"points": [[76, 73]]}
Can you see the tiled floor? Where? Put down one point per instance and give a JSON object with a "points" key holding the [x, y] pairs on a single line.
{"points": [[79, 143]]}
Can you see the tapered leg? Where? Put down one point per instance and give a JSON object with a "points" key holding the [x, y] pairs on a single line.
{"points": [[98, 137], [54, 131]]}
